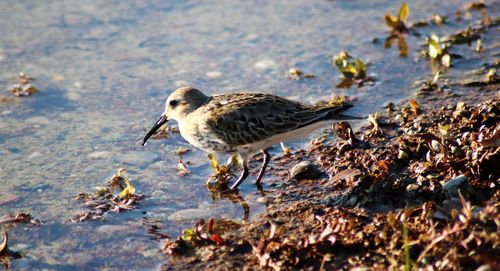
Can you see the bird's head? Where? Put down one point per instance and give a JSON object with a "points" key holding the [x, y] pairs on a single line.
{"points": [[178, 105]]}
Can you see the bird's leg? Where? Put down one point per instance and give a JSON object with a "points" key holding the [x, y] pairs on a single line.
{"points": [[267, 158], [243, 175]]}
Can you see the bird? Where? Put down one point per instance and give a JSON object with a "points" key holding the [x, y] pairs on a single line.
{"points": [[243, 123]]}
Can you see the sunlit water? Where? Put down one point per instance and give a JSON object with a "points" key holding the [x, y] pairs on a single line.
{"points": [[104, 69]]}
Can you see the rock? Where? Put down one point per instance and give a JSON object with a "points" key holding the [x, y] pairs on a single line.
{"points": [[305, 170], [461, 110], [412, 187], [452, 186]]}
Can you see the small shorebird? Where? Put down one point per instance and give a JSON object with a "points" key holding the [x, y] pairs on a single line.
{"points": [[243, 123]]}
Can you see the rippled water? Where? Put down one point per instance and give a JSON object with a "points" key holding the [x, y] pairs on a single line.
{"points": [[104, 69]]}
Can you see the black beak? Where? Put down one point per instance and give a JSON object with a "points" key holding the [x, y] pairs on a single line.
{"points": [[162, 120]]}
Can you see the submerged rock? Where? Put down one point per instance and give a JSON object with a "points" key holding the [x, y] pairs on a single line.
{"points": [[305, 170]]}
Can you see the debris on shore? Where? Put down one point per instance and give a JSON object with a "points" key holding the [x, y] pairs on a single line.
{"points": [[104, 200]]}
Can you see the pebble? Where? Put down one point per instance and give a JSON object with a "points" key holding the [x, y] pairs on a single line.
{"points": [[305, 170], [214, 74], [261, 200], [412, 187], [264, 64], [452, 186], [34, 155]]}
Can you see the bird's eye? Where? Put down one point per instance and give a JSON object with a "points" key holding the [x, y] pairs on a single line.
{"points": [[173, 103]]}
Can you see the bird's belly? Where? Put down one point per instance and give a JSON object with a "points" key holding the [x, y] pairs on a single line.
{"points": [[255, 147], [204, 140]]}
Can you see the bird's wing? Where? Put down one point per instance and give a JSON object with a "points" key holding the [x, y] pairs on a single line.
{"points": [[240, 119]]}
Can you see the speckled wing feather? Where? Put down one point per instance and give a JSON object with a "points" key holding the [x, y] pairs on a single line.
{"points": [[261, 116]]}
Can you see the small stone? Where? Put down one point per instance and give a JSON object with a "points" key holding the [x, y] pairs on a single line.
{"points": [[305, 170], [461, 110], [214, 74], [264, 64], [206, 255], [460, 106], [34, 155], [261, 200], [295, 71], [452, 186], [412, 187], [436, 146], [403, 155]]}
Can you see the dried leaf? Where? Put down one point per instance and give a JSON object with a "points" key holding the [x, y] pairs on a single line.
{"points": [[382, 164], [213, 162], [272, 231], [415, 107], [391, 20], [4, 244], [446, 60], [217, 239], [182, 150], [403, 46], [434, 48], [404, 12], [285, 149], [345, 174], [493, 141], [128, 191]]}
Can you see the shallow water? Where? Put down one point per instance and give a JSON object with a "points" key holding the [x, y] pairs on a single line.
{"points": [[104, 69]]}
